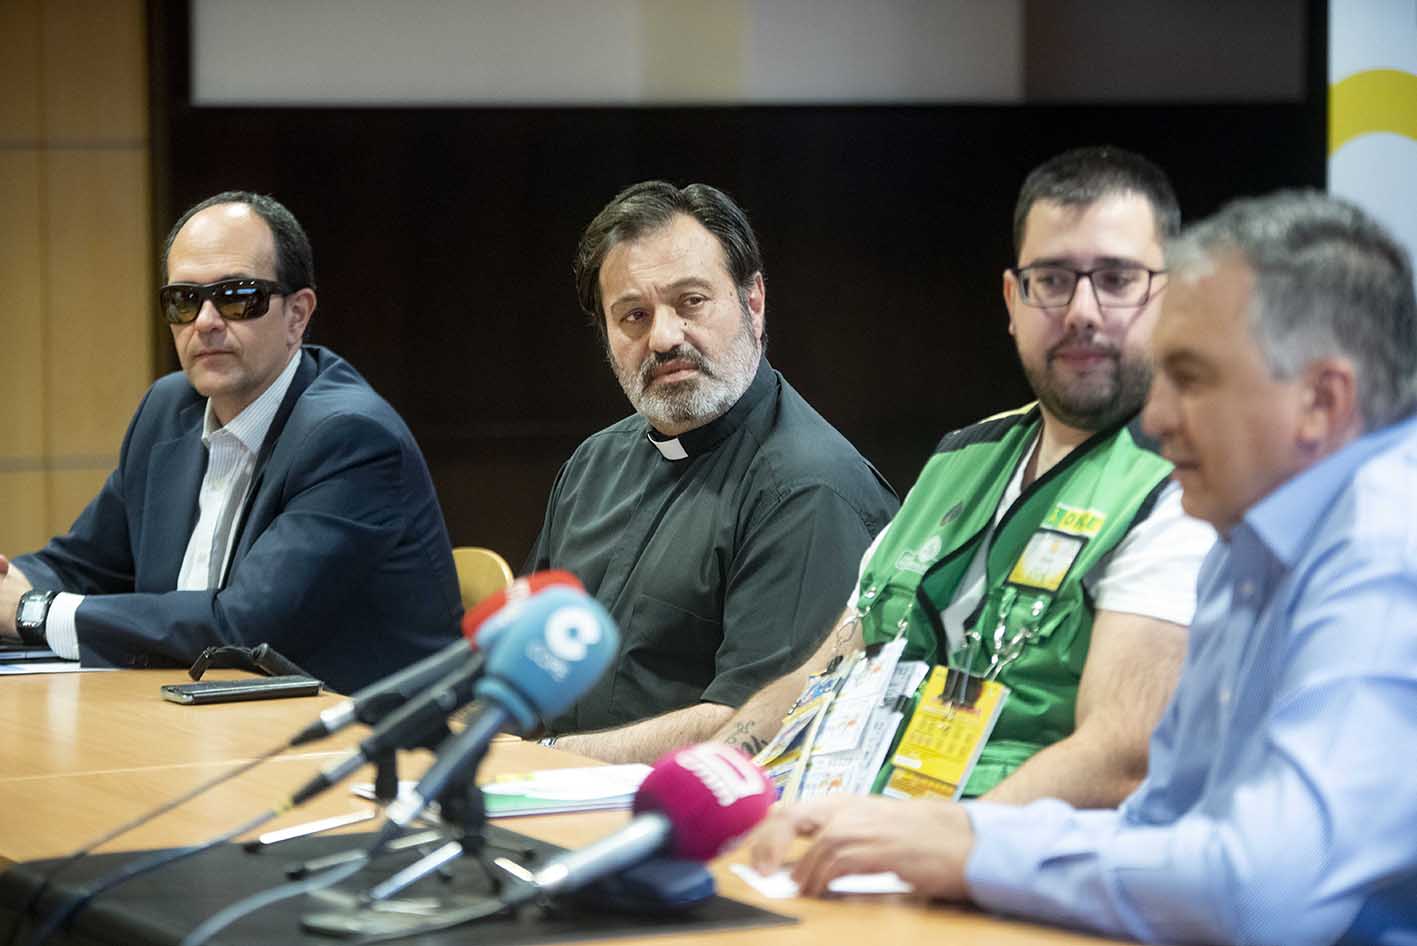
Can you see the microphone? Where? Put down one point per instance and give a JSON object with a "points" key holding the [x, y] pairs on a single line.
{"points": [[374, 702], [558, 644], [422, 717], [695, 804], [405, 727]]}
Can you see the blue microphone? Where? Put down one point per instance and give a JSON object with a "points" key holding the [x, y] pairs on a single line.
{"points": [[480, 627], [555, 646]]}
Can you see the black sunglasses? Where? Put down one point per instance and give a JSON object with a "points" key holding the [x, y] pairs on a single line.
{"points": [[234, 299]]}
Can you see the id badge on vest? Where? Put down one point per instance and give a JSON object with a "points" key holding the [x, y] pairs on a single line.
{"points": [[1046, 560]]}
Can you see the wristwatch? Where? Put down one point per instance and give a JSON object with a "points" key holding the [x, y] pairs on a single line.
{"points": [[31, 614]]}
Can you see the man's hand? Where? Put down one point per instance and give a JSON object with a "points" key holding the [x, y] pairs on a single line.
{"points": [[926, 843], [13, 583]]}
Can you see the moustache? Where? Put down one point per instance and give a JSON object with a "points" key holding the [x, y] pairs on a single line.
{"points": [[1078, 343], [690, 356]]}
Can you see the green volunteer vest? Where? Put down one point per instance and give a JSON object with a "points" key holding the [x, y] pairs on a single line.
{"points": [[1048, 540]]}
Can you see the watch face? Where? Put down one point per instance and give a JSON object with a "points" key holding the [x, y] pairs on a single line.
{"points": [[31, 610]]}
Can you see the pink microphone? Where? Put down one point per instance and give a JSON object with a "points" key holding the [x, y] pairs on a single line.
{"points": [[695, 804], [712, 795]]}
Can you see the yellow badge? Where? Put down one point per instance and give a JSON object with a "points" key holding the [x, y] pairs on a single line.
{"points": [[1046, 559], [942, 741]]}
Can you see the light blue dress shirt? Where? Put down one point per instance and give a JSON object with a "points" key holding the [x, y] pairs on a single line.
{"points": [[1281, 800]]}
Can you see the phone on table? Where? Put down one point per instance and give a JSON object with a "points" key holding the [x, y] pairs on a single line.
{"points": [[230, 691]]}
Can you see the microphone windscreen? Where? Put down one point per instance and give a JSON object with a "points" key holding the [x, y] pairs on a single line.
{"points": [[519, 590], [556, 645], [712, 795]]}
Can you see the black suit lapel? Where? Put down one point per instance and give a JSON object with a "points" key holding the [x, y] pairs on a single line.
{"points": [[303, 376]]}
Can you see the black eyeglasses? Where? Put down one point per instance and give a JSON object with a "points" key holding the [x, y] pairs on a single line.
{"points": [[1113, 286], [234, 299]]}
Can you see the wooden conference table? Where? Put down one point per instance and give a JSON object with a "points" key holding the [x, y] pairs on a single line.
{"points": [[83, 752]]}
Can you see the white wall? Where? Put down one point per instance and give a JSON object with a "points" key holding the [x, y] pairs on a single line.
{"points": [[656, 52], [630, 52]]}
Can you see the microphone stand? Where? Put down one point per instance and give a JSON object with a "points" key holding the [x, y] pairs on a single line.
{"points": [[376, 913], [386, 777], [463, 807], [386, 792]]}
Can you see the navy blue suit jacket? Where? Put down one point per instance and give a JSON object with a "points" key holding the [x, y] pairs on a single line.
{"points": [[340, 560]]}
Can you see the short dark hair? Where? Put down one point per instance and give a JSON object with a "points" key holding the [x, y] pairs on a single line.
{"points": [[1083, 176], [1328, 280], [294, 262], [647, 206]]}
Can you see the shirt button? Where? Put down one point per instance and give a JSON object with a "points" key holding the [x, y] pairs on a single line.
{"points": [[1224, 697], [1247, 588]]}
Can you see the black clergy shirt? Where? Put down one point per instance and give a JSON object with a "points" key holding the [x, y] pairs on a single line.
{"points": [[723, 554]]}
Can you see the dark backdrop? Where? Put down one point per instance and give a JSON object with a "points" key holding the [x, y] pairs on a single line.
{"points": [[443, 240]]}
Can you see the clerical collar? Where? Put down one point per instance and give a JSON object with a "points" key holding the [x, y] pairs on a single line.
{"points": [[701, 440]]}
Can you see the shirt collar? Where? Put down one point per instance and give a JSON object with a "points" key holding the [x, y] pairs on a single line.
{"points": [[1285, 518], [250, 426], [701, 440]]}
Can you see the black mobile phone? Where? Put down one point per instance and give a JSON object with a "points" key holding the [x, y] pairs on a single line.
{"points": [[229, 691]]}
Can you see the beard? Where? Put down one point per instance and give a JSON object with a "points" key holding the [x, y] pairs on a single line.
{"points": [[1090, 401], [694, 401]]}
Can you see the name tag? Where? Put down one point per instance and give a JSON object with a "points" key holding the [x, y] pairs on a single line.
{"points": [[1046, 559]]}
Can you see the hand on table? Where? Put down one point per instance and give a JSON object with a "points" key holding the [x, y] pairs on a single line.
{"points": [[13, 583], [925, 842]]}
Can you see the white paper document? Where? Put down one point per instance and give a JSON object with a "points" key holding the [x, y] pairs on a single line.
{"points": [[22, 667], [781, 886]]}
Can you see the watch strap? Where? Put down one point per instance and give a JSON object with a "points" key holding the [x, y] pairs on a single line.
{"points": [[32, 632]]}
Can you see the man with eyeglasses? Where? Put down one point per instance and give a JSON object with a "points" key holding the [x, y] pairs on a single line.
{"points": [[265, 494], [1278, 807], [1046, 547]]}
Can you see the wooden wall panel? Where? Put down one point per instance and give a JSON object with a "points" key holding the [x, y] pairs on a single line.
{"points": [[24, 511], [22, 375], [69, 491], [19, 70], [99, 309], [95, 71], [75, 252]]}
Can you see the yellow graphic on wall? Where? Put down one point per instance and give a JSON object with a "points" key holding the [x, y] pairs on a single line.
{"points": [[1373, 101], [1372, 110]]}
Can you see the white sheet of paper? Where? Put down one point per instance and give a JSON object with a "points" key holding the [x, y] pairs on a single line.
{"points": [[21, 667], [781, 886]]}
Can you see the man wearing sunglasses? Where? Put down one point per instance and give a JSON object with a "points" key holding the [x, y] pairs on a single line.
{"points": [[264, 495], [1046, 547]]}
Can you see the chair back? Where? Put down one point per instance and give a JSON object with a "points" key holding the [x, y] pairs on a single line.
{"points": [[481, 572]]}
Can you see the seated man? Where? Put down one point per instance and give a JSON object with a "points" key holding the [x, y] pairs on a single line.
{"points": [[1277, 808], [269, 496], [1049, 538], [713, 523]]}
